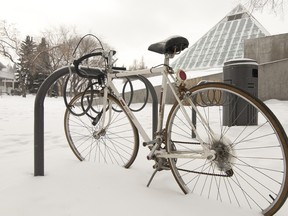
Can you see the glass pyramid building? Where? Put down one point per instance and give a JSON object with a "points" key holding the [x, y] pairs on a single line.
{"points": [[223, 42]]}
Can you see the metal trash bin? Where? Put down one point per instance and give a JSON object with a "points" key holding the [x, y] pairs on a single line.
{"points": [[242, 73]]}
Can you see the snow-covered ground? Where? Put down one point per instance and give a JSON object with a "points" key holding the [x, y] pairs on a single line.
{"points": [[70, 187]]}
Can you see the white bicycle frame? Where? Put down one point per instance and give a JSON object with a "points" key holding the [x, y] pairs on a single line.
{"points": [[199, 154]]}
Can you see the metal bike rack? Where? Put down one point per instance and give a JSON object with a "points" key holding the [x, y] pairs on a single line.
{"points": [[39, 115]]}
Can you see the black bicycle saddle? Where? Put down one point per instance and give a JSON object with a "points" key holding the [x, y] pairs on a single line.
{"points": [[171, 45]]}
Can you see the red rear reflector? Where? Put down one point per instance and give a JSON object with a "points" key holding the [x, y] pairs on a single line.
{"points": [[181, 75]]}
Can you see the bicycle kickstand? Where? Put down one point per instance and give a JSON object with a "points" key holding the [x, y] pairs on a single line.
{"points": [[151, 178], [159, 166]]}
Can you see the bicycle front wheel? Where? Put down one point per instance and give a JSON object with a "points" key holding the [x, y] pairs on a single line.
{"points": [[251, 154], [115, 143]]}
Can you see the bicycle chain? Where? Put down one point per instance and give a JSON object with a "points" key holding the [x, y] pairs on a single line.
{"points": [[210, 174]]}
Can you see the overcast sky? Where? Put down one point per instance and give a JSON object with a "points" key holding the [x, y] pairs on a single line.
{"points": [[129, 26]]}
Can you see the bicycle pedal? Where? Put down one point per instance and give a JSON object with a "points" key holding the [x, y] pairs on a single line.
{"points": [[153, 142], [149, 143]]}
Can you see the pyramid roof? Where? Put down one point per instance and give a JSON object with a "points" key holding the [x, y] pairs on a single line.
{"points": [[223, 42]]}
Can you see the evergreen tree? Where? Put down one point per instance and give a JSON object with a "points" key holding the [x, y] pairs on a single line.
{"points": [[26, 66]]}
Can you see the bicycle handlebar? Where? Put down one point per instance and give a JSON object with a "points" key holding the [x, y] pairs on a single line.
{"points": [[119, 68], [78, 61], [93, 72]]}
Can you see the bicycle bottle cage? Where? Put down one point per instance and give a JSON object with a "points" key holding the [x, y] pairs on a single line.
{"points": [[171, 45]]}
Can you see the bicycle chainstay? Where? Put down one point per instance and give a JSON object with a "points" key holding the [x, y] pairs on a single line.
{"points": [[229, 173]]}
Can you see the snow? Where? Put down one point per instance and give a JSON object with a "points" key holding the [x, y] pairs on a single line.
{"points": [[70, 187]]}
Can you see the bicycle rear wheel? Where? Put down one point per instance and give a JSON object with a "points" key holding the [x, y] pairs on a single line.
{"points": [[250, 167], [118, 143]]}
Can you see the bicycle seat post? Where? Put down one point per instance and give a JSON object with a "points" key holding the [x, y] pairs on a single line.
{"points": [[167, 59]]}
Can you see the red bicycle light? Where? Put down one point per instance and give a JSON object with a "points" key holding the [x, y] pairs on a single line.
{"points": [[181, 75]]}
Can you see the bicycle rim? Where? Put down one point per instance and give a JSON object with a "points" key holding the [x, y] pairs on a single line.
{"points": [[117, 144], [250, 168]]}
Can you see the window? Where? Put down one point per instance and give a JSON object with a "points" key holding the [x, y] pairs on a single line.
{"points": [[234, 17]]}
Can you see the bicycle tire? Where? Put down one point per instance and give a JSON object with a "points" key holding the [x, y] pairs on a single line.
{"points": [[117, 144], [250, 167]]}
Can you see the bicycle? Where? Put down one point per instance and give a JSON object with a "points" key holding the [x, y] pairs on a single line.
{"points": [[242, 163]]}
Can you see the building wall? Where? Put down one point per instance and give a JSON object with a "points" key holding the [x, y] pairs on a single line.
{"points": [[271, 53], [6, 86], [273, 80], [267, 49], [7, 79]]}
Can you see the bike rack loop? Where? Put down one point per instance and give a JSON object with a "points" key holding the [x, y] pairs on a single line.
{"points": [[39, 115]]}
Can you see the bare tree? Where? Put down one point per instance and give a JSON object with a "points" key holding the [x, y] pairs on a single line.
{"points": [[138, 65], [275, 6], [62, 43], [9, 43]]}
